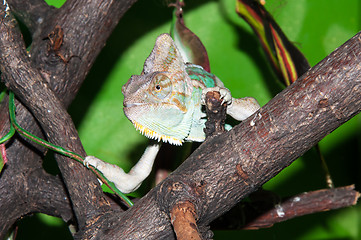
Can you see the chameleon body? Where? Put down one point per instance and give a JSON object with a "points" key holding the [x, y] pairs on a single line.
{"points": [[164, 103]]}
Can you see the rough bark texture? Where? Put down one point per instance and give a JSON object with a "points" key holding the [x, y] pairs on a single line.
{"points": [[221, 172], [306, 203], [46, 84], [265, 208], [183, 219], [216, 114]]}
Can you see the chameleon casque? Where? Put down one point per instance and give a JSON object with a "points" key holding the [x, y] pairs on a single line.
{"points": [[165, 103]]}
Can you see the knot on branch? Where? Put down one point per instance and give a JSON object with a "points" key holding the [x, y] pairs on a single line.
{"points": [[173, 192], [181, 200]]}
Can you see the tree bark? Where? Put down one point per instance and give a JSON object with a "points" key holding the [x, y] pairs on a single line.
{"points": [[46, 84], [265, 208], [221, 172]]}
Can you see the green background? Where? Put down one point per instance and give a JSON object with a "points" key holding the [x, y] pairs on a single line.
{"points": [[317, 27]]}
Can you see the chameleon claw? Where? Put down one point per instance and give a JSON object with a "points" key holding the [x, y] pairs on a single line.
{"points": [[90, 160], [224, 92], [225, 96], [85, 162]]}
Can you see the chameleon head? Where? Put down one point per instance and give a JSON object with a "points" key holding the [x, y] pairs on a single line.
{"points": [[157, 101]]}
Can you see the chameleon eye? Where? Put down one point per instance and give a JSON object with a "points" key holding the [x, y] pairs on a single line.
{"points": [[161, 86], [158, 88]]}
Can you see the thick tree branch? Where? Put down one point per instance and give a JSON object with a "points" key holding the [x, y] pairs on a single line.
{"points": [[28, 85], [26, 188], [86, 26], [46, 193], [32, 13], [306, 203], [23, 181]]}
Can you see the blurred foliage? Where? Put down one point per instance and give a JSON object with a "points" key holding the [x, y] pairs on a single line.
{"points": [[55, 3], [316, 27]]}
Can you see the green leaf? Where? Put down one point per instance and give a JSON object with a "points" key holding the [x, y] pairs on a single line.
{"points": [[189, 44], [2, 157], [287, 61], [55, 3]]}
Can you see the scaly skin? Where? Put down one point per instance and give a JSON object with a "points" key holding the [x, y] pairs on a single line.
{"points": [[165, 103]]}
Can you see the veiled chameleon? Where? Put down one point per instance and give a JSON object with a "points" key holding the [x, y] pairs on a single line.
{"points": [[165, 103]]}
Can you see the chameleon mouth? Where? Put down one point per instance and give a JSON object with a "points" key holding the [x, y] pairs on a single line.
{"points": [[156, 136], [128, 105]]}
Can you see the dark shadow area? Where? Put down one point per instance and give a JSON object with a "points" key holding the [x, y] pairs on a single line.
{"points": [[25, 32], [33, 227], [343, 163]]}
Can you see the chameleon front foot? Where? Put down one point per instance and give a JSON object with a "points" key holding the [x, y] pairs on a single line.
{"points": [[91, 161], [241, 108], [126, 182], [224, 92], [238, 108]]}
